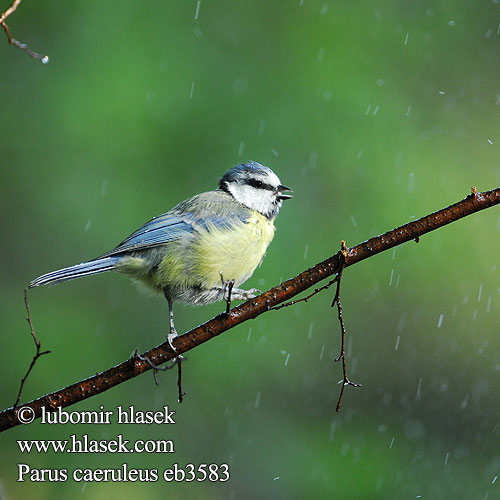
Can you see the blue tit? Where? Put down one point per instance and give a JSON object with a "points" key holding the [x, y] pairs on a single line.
{"points": [[184, 253]]}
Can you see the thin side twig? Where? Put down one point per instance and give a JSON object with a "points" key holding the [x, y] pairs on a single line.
{"points": [[10, 10], [336, 302], [38, 347], [17, 43], [306, 299], [341, 356], [179, 378]]}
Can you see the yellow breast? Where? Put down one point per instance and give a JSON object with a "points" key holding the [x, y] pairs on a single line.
{"points": [[235, 252]]}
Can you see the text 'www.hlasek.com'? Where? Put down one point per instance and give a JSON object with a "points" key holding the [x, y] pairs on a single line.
{"points": [[82, 444]]}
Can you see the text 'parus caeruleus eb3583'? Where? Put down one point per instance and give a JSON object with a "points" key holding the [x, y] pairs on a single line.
{"points": [[185, 252]]}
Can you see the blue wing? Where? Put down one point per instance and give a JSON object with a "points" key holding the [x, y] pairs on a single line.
{"points": [[158, 231], [207, 211]]}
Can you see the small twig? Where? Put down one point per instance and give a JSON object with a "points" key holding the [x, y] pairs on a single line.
{"points": [[179, 378], [38, 346], [336, 301], [10, 10], [306, 299], [17, 43]]}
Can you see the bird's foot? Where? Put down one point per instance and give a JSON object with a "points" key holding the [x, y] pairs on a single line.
{"points": [[240, 294], [170, 338]]}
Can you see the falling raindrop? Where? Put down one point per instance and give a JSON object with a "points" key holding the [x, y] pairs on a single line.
{"points": [[418, 396], [321, 354], [349, 347], [310, 332], [401, 322], [332, 431], [464, 402], [313, 159], [440, 320], [261, 127], [104, 188], [257, 400], [411, 181], [488, 304]]}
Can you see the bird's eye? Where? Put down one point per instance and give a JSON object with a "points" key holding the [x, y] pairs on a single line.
{"points": [[259, 184]]}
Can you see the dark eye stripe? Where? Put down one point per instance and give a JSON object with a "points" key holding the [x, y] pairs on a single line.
{"points": [[259, 184]]}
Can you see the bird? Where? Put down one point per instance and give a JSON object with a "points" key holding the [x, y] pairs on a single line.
{"points": [[201, 249]]}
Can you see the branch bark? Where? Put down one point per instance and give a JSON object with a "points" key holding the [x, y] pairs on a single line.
{"points": [[252, 308]]}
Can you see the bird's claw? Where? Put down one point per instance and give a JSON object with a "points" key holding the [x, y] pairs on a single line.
{"points": [[170, 338], [251, 294]]}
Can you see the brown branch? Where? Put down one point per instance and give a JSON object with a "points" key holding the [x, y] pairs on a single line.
{"points": [[17, 43], [38, 346], [254, 307]]}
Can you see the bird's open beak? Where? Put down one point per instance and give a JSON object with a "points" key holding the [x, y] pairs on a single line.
{"points": [[280, 195]]}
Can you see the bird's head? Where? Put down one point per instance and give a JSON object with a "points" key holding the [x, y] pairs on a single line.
{"points": [[255, 186]]}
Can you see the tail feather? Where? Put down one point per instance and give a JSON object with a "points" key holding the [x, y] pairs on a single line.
{"points": [[69, 273]]}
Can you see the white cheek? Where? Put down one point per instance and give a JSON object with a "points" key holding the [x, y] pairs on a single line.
{"points": [[247, 196], [263, 201]]}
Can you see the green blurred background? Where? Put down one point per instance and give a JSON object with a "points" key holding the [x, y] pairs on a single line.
{"points": [[375, 114]]}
